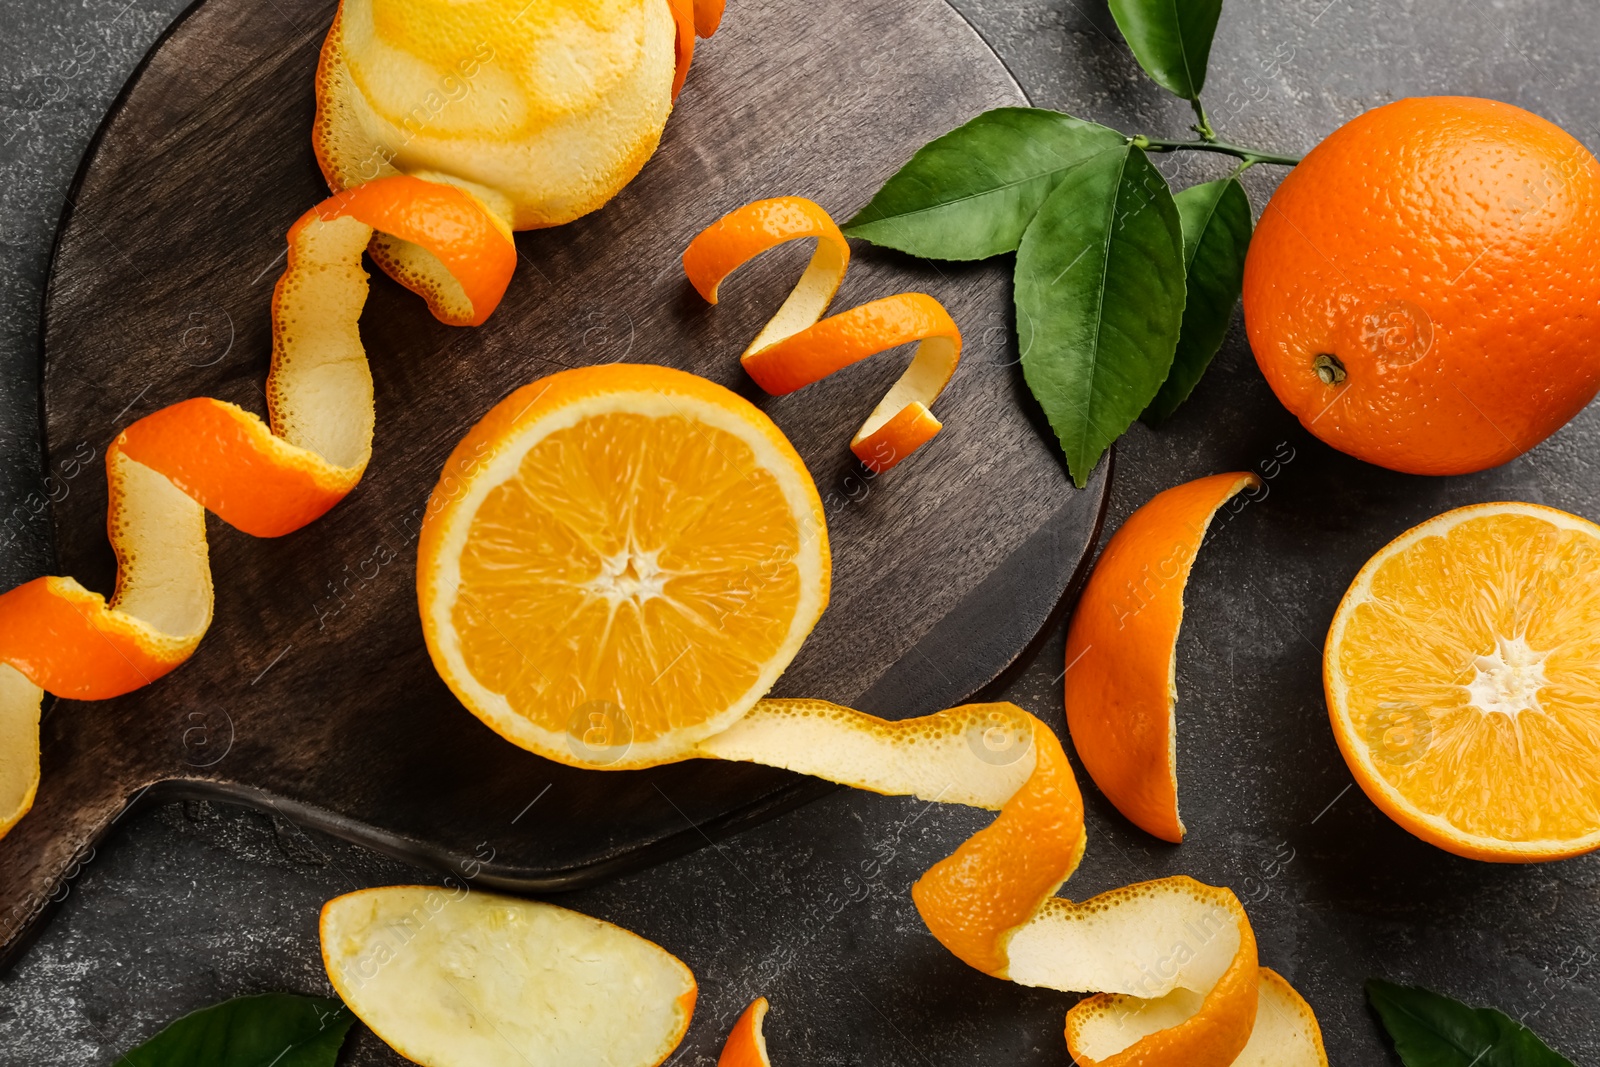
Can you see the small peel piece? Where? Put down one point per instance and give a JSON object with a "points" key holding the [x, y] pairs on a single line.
{"points": [[1173, 961], [465, 979], [747, 1045], [798, 346], [1121, 679]]}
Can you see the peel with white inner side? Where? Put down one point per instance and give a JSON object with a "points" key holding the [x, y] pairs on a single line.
{"points": [[1173, 961], [466, 979], [167, 469], [798, 346]]}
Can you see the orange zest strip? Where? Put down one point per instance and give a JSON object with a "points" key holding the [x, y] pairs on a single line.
{"points": [[1172, 961], [693, 18], [747, 1045], [168, 468], [1121, 677], [798, 346], [469, 243], [707, 16]]}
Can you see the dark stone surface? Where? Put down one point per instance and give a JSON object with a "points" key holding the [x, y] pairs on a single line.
{"points": [[191, 903]]}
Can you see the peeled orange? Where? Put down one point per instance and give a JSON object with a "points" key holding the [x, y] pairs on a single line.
{"points": [[1463, 678], [543, 110], [618, 562]]}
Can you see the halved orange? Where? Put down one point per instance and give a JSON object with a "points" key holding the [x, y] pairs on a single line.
{"points": [[1462, 672], [618, 562]]}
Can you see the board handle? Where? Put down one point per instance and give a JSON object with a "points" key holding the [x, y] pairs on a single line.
{"points": [[47, 850]]}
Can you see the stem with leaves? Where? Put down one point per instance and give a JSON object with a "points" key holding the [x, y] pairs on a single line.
{"points": [[1124, 289]]}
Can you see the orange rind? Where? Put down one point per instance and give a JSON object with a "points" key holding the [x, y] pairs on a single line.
{"points": [[449, 977], [1121, 676], [798, 346], [1172, 962], [170, 467], [747, 1044], [606, 527]]}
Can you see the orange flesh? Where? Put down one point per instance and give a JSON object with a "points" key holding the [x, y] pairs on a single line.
{"points": [[1465, 681], [601, 573]]}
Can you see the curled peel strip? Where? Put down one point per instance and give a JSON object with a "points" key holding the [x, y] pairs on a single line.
{"points": [[798, 346], [1172, 962], [168, 468]]}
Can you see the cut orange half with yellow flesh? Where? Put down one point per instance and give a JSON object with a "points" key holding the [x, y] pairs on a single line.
{"points": [[1463, 678], [618, 562]]}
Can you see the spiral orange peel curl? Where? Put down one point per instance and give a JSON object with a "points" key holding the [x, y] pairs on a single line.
{"points": [[1171, 962], [798, 346], [170, 467]]}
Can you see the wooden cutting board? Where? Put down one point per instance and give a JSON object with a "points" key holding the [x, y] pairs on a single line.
{"points": [[313, 694]]}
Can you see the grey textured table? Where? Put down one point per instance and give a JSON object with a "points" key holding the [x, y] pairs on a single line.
{"points": [[190, 903]]}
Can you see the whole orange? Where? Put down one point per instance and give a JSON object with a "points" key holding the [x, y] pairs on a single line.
{"points": [[1423, 291]]}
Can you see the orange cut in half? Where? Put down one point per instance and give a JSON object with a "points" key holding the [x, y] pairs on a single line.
{"points": [[1463, 678], [618, 562]]}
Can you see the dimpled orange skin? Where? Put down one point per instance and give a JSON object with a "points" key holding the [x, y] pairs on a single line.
{"points": [[974, 898], [1470, 220], [1120, 682]]}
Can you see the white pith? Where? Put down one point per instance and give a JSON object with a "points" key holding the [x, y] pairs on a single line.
{"points": [[1508, 679], [450, 977]]}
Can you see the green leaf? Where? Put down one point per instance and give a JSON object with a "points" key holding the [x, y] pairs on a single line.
{"points": [[971, 193], [1216, 236], [1430, 1030], [1171, 39], [271, 1030], [1099, 292]]}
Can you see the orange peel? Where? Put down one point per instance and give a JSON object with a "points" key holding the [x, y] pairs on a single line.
{"points": [[1172, 962], [448, 977], [747, 1044], [798, 346], [1121, 677], [168, 468]]}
